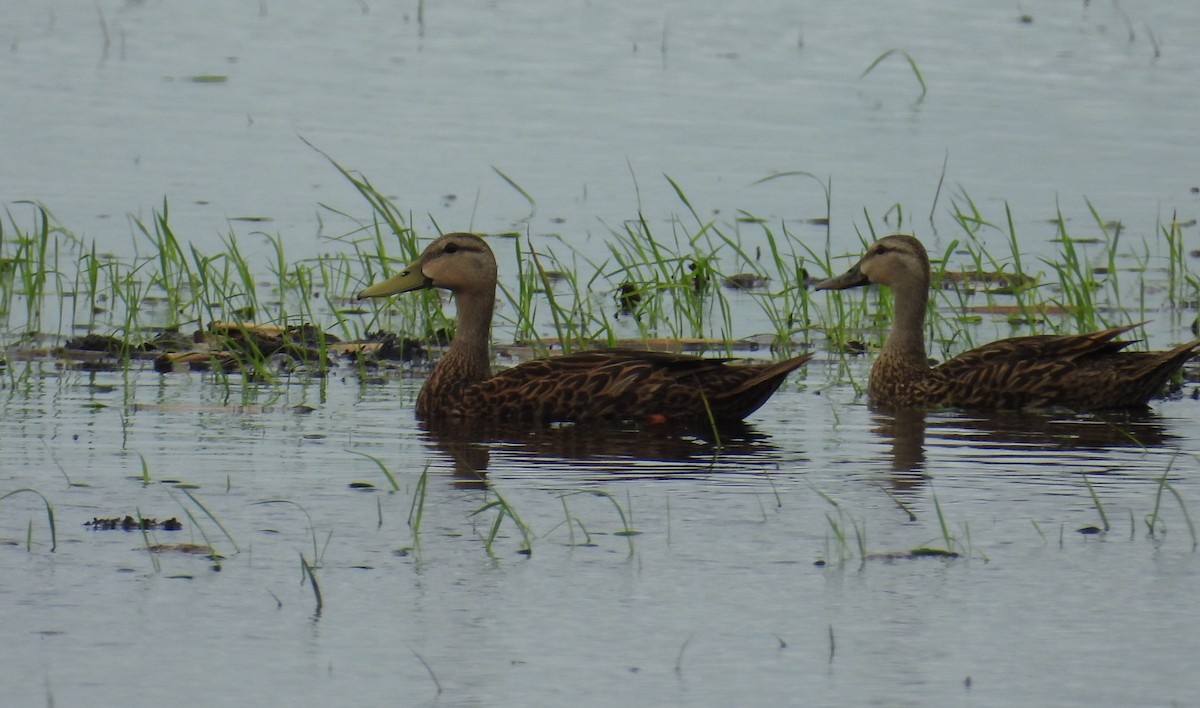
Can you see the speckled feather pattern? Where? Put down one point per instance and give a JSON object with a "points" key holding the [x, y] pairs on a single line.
{"points": [[609, 385], [1079, 372]]}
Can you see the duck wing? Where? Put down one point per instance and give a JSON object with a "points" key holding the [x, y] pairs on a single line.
{"points": [[1082, 372], [624, 384]]}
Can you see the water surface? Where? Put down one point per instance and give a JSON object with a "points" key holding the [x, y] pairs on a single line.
{"points": [[728, 593], [587, 105]]}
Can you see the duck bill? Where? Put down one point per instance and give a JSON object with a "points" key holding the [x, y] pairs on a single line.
{"points": [[852, 278], [411, 278]]}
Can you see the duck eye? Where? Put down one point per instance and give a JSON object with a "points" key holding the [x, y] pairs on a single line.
{"points": [[881, 249], [450, 248]]}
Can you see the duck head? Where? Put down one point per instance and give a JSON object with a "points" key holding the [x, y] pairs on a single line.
{"points": [[892, 260], [459, 262]]}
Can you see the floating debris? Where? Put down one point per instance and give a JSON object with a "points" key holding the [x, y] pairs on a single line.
{"points": [[392, 346], [746, 281], [1001, 283], [853, 347], [190, 548], [914, 554], [96, 343], [259, 350], [628, 297], [129, 523]]}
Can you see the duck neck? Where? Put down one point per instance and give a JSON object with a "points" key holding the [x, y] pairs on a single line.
{"points": [[469, 352], [467, 361], [907, 338]]}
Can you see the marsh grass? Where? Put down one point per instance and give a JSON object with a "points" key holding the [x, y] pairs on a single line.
{"points": [[1154, 521], [1037, 527], [912, 64], [576, 319], [1097, 503], [1183, 284], [310, 574], [429, 669], [29, 527], [837, 526], [318, 553], [213, 553], [952, 545], [838, 547], [382, 468], [146, 480], [627, 531], [571, 522], [147, 542], [62, 470], [416, 511], [659, 281], [504, 509], [679, 281], [1077, 283], [29, 263]]}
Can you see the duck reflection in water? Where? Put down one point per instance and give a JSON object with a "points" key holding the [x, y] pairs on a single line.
{"points": [[603, 451], [904, 429], [909, 432]]}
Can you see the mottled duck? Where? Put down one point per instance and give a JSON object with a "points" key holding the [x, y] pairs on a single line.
{"points": [[1079, 372], [611, 385]]}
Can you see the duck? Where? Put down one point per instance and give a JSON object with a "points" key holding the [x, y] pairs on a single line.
{"points": [[606, 385], [1080, 372]]}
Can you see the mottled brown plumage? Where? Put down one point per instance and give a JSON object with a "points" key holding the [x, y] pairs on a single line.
{"points": [[604, 385], [1081, 372]]}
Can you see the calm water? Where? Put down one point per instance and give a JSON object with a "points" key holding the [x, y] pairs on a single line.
{"points": [[587, 105], [718, 600]]}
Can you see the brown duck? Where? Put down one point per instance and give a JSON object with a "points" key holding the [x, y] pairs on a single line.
{"points": [[595, 386], [1081, 372]]}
